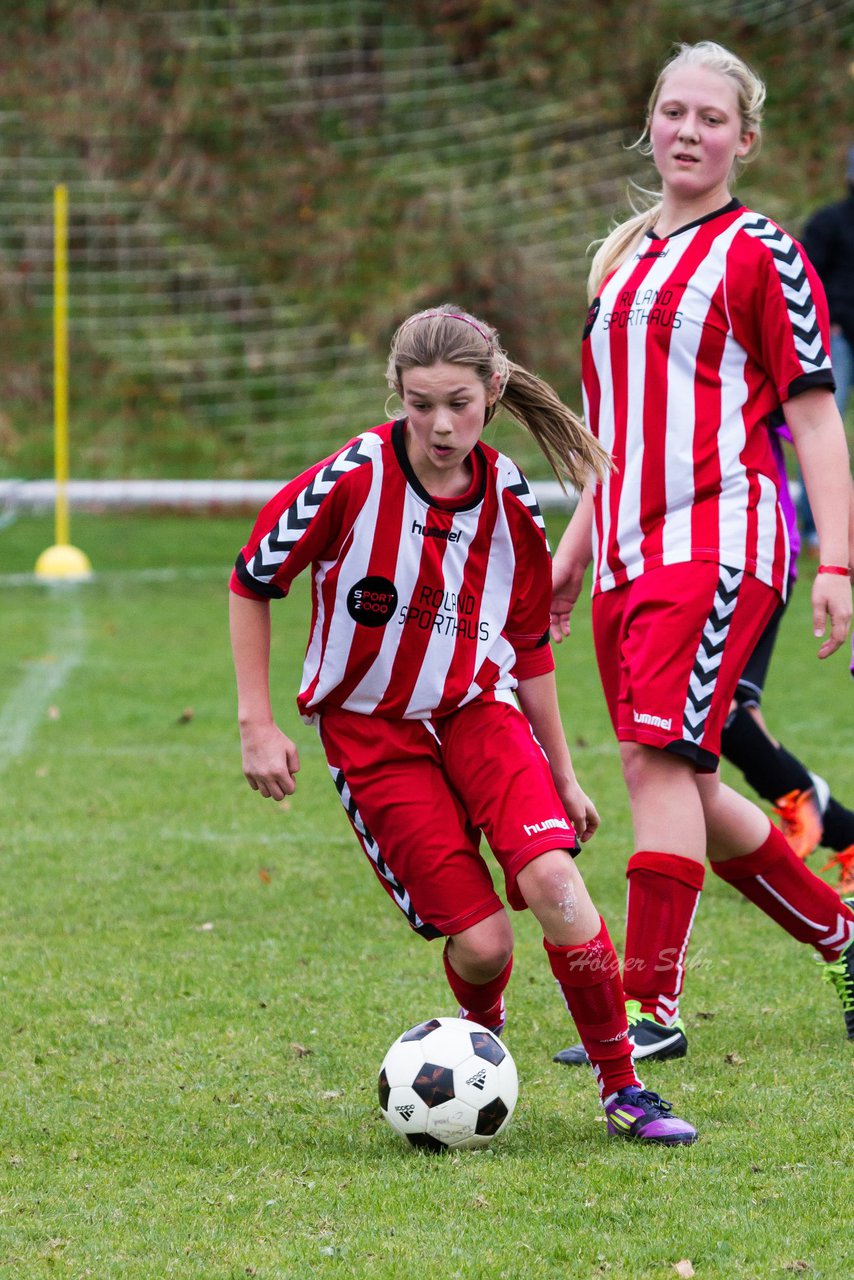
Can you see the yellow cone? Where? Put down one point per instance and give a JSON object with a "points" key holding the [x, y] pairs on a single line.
{"points": [[64, 562]]}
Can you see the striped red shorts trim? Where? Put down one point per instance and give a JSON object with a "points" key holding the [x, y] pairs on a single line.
{"points": [[419, 795], [671, 646]]}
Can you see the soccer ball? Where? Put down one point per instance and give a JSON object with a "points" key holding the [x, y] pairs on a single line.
{"points": [[448, 1083]]}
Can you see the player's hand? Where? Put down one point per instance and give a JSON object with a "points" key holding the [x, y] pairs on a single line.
{"points": [[270, 760], [564, 595], [580, 810], [559, 627], [831, 601]]}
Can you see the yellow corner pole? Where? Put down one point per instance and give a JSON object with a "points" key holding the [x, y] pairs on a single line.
{"points": [[60, 360], [61, 560]]}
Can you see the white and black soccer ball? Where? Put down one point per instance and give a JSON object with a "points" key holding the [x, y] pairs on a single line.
{"points": [[448, 1083]]}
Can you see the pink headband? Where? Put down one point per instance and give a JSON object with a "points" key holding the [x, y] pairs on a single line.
{"points": [[450, 315]]}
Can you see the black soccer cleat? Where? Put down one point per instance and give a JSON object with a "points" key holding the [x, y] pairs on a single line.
{"points": [[650, 1040]]}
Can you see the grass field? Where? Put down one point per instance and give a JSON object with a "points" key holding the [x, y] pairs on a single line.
{"points": [[198, 986]]}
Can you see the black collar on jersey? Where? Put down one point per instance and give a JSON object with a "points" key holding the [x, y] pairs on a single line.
{"points": [[472, 497], [730, 207]]}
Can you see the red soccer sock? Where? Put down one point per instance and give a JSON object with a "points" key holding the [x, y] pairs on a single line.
{"points": [[481, 1002], [664, 891], [778, 882], [589, 977]]}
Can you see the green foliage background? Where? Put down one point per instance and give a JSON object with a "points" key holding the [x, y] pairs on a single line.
{"points": [[280, 190]]}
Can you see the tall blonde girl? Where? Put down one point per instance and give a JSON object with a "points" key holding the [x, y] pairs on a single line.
{"points": [[706, 322]]}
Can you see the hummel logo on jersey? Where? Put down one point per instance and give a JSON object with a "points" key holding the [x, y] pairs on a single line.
{"points": [[658, 722], [478, 1080], [446, 535], [406, 1112], [548, 824]]}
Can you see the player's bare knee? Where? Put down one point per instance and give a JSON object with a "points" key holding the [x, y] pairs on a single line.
{"points": [[553, 884], [480, 953]]}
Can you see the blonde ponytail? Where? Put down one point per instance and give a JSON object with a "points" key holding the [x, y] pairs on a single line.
{"points": [[572, 452], [619, 245]]}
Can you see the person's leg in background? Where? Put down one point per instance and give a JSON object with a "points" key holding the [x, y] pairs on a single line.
{"points": [[808, 814]]}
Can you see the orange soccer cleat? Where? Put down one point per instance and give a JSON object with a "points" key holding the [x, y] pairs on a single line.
{"points": [[845, 862], [800, 821]]}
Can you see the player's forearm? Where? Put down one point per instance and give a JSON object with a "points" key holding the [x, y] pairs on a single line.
{"points": [[538, 700], [829, 499], [819, 438], [575, 549], [249, 624]]}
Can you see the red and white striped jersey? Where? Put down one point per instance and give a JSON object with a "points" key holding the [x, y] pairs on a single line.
{"points": [[692, 343], [419, 604]]}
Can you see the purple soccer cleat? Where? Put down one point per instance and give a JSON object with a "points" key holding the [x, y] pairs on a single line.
{"points": [[640, 1114]]}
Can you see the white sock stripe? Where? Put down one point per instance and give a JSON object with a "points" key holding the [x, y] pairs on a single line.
{"points": [[680, 962], [843, 935], [783, 903], [667, 1006], [666, 1011]]}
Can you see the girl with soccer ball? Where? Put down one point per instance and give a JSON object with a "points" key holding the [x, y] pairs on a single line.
{"points": [[431, 585]]}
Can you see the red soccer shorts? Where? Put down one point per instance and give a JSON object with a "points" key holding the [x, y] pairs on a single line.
{"points": [[419, 794], [671, 646]]}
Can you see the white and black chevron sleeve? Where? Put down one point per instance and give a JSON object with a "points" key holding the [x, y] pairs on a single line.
{"points": [[791, 312], [296, 527], [522, 491], [528, 617]]}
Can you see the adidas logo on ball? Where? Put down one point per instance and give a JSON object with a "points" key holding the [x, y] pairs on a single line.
{"points": [[478, 1080]]}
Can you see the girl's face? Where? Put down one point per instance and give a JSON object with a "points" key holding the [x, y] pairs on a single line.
{"points": [[696, 134], [446, 407]]}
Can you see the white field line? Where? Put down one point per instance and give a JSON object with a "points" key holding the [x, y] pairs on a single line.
{"points": [[115, 577], [27, 704]]}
